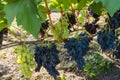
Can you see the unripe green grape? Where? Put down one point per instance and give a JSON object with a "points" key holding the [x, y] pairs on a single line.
{"points": [[29, 56], [33, 64], [27, 61], [23, 59], [25, 54]]}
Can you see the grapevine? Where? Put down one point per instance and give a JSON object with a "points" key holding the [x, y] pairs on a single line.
{"points": [[35, 17]]}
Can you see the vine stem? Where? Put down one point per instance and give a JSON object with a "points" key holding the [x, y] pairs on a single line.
{"points": [[51, 23], [116, 64], [13, 33], [78, 20], [48, 13], [106, 57]]}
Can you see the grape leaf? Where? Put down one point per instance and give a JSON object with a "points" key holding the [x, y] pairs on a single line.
{"points": [[61, 28], [65, 4], [81, 17], [60, 4], [11, 1], [26, 14], [83, 3], [97, 1], [3, 23], [1, 6], [74, 1], [54, 5], [97, 7], [109, 5], [42, 12], [37, 1]]}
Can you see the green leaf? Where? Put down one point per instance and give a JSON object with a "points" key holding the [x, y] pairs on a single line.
{"points": [[60, 4], [74, 1], [26, 14], [110, 5], [42, 12], [65, 4], [83, 3], [62, 30], [3, 23], [82, 16], [98, 1], [37, 1], [11, 1], [55, 5], [92, 75], [97, 7], [1, 6]]}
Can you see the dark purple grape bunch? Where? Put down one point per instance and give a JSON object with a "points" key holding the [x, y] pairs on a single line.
{"points": [[77, 48], [47, 56], [115, 20], [91, 28], [44, 27], [71, 20], [106, 38]]}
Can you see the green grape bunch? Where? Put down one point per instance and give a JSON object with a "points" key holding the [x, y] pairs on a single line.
{"points": [[25, 59]]}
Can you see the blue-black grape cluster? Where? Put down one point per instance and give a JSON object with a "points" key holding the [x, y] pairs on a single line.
{"points": [[91, 28], [71, 20], [78, 48], [44, 26], [115, 20], [47, 56], [2, 32], [106, 39]]}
